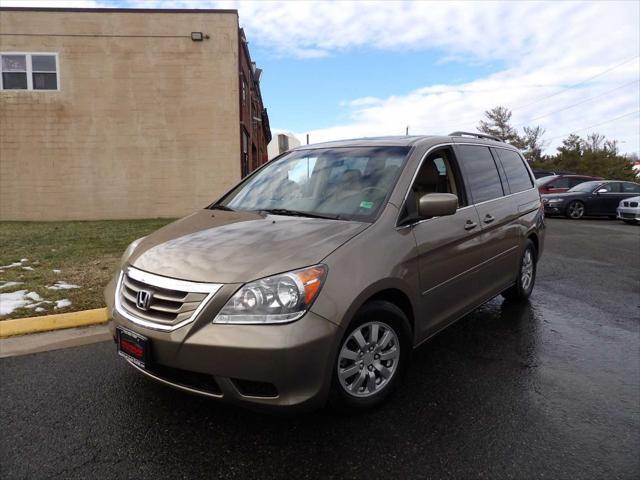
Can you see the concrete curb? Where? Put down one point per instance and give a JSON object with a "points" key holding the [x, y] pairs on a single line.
{"points": [[22, 326]]}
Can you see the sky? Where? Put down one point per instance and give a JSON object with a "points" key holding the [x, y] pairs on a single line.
{"points": [[360, 69]]}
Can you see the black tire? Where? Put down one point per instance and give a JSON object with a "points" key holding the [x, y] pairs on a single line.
{"points": [[392, 316], [574, 210], [520, 292]]}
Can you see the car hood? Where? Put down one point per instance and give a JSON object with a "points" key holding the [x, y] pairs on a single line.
{"points": [[236, 247]]}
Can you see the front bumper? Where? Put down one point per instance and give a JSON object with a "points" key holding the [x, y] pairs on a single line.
{"points": [[629, 213], [553, 208], [287, 365]]}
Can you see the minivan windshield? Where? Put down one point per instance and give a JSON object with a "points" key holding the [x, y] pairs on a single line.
{"points": [[340, 183], [585, 187]]}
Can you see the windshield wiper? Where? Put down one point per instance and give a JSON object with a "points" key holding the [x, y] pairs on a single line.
{"points": [[221, 207], [298, 213]]}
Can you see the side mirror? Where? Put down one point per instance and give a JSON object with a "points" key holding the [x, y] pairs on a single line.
{"points": [[437, 205]]}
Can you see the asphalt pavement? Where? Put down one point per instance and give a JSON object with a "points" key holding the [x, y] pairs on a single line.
{"points": [[546, 390]]}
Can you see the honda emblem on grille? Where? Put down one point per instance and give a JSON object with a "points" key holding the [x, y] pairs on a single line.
{"points": [[143, 300]]}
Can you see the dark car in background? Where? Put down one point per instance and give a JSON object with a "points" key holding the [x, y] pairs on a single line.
{"points": [[594, 198], [561, 183], [540, 173]]}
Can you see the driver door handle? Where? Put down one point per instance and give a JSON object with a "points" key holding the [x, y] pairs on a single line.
{"points": [[470, 225], [488, 218]]}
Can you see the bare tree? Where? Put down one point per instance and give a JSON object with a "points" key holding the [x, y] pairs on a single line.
{"points": [[532, 143]]}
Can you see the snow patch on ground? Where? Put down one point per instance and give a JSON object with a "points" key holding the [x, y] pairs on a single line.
{"points": [[62, 285], [13, 300], [17, 264], [56, 270], [39, 309], [34, 296], [62, 303], [9, 284], [12, 265], [38, 305]]}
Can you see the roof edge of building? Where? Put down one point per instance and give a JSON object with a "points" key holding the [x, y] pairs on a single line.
{"points": [[118, 10]]}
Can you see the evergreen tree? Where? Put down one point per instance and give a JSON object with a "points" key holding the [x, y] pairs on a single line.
{"points": [[497, 124]]}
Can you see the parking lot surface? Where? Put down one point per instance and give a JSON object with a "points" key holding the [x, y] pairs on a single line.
{"points": [[550, 389]]}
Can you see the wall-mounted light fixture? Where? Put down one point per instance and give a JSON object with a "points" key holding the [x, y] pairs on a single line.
{"points": [[198, 36]]}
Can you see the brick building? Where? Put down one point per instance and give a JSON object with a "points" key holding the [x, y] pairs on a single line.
{"points": [[111, 113]]}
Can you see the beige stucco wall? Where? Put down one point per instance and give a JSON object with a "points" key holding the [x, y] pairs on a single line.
{"points": [[141, 127]]}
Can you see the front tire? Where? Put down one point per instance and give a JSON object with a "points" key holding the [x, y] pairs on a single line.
{"points": [[372, 357], [523, 287], [575, 210]]}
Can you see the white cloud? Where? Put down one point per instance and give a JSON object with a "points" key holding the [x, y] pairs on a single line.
{"points": [[545, 47], [54, 3]]}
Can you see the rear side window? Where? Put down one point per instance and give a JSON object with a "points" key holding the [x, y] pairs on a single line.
{"points": [[577, 181], [514, 168], [559, 183], [481, 172], [630, 188]]}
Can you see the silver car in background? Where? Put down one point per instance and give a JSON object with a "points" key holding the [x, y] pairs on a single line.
{"points": [[629, 210]]}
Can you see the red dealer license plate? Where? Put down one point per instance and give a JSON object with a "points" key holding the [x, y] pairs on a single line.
{"points": [[133, 346]]}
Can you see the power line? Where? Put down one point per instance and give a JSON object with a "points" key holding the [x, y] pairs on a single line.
{"points": [[595, 125], [577, 103], [569, 87]]}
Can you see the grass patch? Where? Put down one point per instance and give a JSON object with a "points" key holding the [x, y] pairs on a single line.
{"points": [[86, 253]]}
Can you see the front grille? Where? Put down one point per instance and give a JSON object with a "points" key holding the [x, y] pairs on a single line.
{"points": [[628, 215], [633, 204], [625, 204], [172, 303]]}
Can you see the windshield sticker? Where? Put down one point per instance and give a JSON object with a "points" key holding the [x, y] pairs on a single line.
{"points": [[365, 204]]}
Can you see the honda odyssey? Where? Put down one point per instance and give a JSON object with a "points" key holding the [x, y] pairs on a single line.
{"points": [[313, 279]]}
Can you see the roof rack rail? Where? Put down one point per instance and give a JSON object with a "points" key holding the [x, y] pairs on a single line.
{"points": [[477, 135]]}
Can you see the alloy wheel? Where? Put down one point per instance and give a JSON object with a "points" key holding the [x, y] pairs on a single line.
{"points": [[576, 210], [368, 359], [526, 271]]}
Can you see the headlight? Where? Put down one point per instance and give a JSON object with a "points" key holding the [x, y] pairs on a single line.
{"points": [[279, 299], [129, 251], [555, 200]]}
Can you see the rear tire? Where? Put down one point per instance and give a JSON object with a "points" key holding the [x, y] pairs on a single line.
{"points": [[575, 210], [372, 357], [523, 287]]}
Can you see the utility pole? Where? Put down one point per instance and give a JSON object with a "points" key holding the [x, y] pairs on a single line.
{"points": [[307, 139], [407, 131]]}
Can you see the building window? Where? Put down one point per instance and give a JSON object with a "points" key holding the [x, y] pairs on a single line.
{"points": [[29, 71], [244, 91]]}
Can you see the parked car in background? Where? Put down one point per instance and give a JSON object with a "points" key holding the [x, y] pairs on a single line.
{"points": [[594, 198], [629, 210], [561, 183], [315, 277], [539, 173]]}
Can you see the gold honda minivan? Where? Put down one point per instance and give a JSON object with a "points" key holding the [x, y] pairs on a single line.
{"points": [[313, 279]]}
